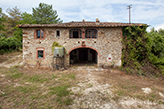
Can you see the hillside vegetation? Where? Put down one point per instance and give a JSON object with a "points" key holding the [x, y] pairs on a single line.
{"points": [[143, 52]]}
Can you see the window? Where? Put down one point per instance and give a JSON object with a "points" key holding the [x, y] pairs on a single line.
{"points": [[75, 33], [40, 53], [58, 33], [39, 34], [91, 33]]}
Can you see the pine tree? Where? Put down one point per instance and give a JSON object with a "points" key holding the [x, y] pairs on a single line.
{"points": [[44, 14], [11, 21], [2, 19], [27, 19]]}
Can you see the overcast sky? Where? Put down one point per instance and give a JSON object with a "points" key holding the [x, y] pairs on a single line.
{"points": [[150, 12]]}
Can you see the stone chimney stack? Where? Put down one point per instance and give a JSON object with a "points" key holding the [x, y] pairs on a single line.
{"points": [[97, 20]]}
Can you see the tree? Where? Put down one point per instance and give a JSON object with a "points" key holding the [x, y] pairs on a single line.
{"points": [[44, 14], [14, 16], [1, 19], [27, 19], [11, 21], [161, 32]]}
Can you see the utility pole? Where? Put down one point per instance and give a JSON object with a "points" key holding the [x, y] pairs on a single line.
{"points": [[129, 7]]}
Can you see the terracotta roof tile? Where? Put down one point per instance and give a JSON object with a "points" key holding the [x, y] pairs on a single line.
{"points": [[81, 24]]}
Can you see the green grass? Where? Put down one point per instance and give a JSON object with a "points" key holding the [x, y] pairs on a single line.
{"points": [[26, 89], [52, 94], [16, 75], [53, 76], [72, 76], [160, 102], [90, 85], [61, 91], [67, 77], [37, 78]]}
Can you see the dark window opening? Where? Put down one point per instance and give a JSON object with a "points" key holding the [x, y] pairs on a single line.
{"points": [[58, 33], [40, 53], [91, 33], [39, 33], [75, 33]]}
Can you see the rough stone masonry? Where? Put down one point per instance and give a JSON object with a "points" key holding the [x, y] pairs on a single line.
{"points": [[40, 37]]}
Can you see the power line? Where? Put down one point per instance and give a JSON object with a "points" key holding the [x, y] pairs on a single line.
{"points": [[129, 7]]}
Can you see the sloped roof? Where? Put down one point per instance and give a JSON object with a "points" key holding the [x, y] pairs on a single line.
{"points": [[81, 24]]}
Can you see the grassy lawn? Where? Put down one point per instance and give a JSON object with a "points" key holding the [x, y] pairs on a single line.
{"points": [[29, 88], [43, 89]]}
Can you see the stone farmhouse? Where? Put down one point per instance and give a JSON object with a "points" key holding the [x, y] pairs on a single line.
{"points": [[84, 42]]}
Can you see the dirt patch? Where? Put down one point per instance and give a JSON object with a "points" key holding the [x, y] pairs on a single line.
{"points": [[77, 87], [10, 60], [3, 58], [110, 89]]}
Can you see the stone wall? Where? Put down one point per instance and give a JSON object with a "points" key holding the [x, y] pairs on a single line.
{"points": [[108, 45]]}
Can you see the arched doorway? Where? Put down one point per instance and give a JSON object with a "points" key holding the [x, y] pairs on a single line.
{"points": [[83, 56]]}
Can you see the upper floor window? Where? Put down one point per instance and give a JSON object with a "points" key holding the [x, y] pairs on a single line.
{"points": [[57, 33], [91, 33], [75, 33], [39, 34]]}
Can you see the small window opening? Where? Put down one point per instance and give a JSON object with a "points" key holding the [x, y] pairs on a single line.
{"points": [[40, 53], [39, 33], [75, 34], [91, 33], [58, 33]]}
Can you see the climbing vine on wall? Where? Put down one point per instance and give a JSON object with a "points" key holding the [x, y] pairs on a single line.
{"points": [[142, 51], [134, 44], [55, 44]]}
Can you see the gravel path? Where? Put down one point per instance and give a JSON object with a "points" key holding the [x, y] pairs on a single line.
{"points": [[91, 94]]}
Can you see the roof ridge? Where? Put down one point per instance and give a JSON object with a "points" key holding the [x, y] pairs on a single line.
{"points": [[83, 24]]}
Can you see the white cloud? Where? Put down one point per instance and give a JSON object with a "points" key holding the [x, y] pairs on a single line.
{"points": [[161, 26], [143, 11]]}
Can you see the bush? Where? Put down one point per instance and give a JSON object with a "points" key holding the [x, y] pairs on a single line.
{"points": [[9, 44], [143, 51]]}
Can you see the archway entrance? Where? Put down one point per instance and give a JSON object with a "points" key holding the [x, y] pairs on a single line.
{"points": [[83, 56]]}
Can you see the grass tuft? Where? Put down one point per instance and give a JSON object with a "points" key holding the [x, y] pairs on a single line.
{"points": [[62, 94], [37, 78], [15, 75]]}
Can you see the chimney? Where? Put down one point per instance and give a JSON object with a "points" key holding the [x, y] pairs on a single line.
{"points": [[83, 20], [97, 20]]}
